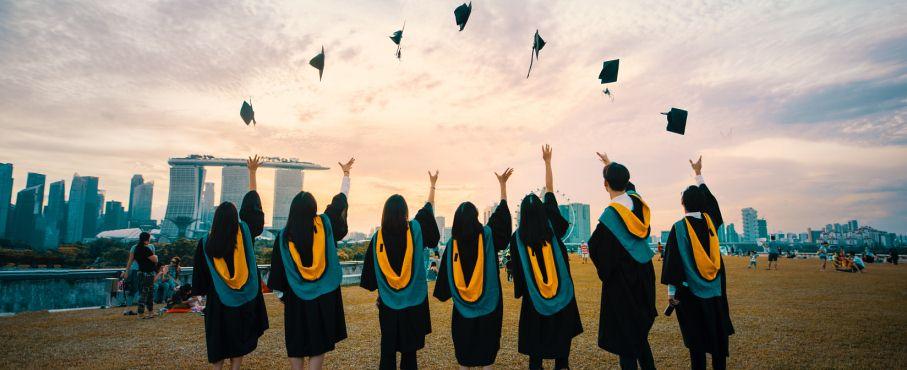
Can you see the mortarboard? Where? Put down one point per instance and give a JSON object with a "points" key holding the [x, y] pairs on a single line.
{"points": [[461, 13], [246, 112], [537, 45], [318, 63], [397, 37], [677, 120], [609, 71]]}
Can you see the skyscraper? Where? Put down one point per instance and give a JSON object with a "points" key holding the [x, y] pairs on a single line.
{"points": [[114, 216], [287, 183], [750, 225], [206, 205], [763, 228], [441, 223], [37, 179], [578, 215], [234, 184], [25, 214], [731, 234], [55, 213], [722, 233], [82, 209], [6, 193], [853, 225], [142, 196], [186, 183], [136, 180]]}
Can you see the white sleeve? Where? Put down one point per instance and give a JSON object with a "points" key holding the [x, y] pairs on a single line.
{"points": [[345, 186], [699, 180]]}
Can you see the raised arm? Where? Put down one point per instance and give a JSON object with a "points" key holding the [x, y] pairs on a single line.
{"points": [[549, 177], [345, 183], [252, 164], [711, 203], [502, 180], [431, 192]]}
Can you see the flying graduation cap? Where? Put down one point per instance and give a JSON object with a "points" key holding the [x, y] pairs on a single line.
{"points": [[677, 120], [461, 13], [537, 45], [609, 75], [246, 112], [318, 63], [397, 37]]}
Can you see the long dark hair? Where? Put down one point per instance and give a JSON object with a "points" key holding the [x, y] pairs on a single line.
{"points": [[394, 218], [693, 199], [534, 229], [300, 222], [466, 227], [222, 237]]}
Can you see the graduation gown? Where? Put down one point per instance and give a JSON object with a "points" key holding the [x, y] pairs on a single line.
{"points": [[628, 292], [477, 340], [312, 327], [231, 331], [539, 335], [704, 323], [404, 330]]}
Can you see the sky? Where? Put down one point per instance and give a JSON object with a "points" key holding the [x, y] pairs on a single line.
{"points": [[798, 108]]}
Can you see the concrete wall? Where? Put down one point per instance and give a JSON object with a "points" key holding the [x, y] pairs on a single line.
{"points": [[36, 290]]}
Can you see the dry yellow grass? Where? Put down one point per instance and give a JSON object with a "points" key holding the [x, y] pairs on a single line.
{"points": [[796, 317]]}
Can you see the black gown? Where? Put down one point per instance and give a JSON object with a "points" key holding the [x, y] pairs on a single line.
{"points": [[628, 292], [704, 323], [312, 327], [477, 340], [544, 336], [405, 329], [231, 331]]}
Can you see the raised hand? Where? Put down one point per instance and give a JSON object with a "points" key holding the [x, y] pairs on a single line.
{"points": [[604, 158], [254, 162], [347, 167], [433, 178], [697, 166], [546, 153], [502, 178]]}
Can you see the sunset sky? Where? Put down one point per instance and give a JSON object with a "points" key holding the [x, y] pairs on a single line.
{"points": [[799, 108]]}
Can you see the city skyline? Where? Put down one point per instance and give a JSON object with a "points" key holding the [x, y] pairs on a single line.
{"points": [[797, 108]]}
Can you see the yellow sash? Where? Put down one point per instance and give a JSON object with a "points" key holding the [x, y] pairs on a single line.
{"points": [[240, 265], [637, 227], [319, 263], [707, 264], [549, 289], [470, 293], [406, 271]]}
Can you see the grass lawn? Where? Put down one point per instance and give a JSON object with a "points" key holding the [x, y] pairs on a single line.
{"points": [[796, 317]]}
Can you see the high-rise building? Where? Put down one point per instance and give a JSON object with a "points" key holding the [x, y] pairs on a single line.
{"points": [[114, 216], [854, 225], [763, 228], [186, 182], [6, 194], [441, 224], [287, 183], [55, 213], [37, 179], [140, 205], [25, 215], [234, 184], [750, 225], [722, 233], [578, 215], [664, 237], [82, 209], [206, 207], [136, 180], [731, 234]]}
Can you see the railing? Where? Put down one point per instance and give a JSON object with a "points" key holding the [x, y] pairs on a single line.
{"points": [[49, 289]]}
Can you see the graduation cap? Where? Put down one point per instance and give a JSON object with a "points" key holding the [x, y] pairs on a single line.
{"points": [[537, 45], [461, 13], [677, 120], [318, 63], [246, 112], [397, 37], [609, 71]]}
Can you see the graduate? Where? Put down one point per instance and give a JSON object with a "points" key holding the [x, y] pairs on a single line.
{"points": [[225, 270], [696, 277], [305, 269], [469, 275], [394, 265], [619, 248], [549, 318]]}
